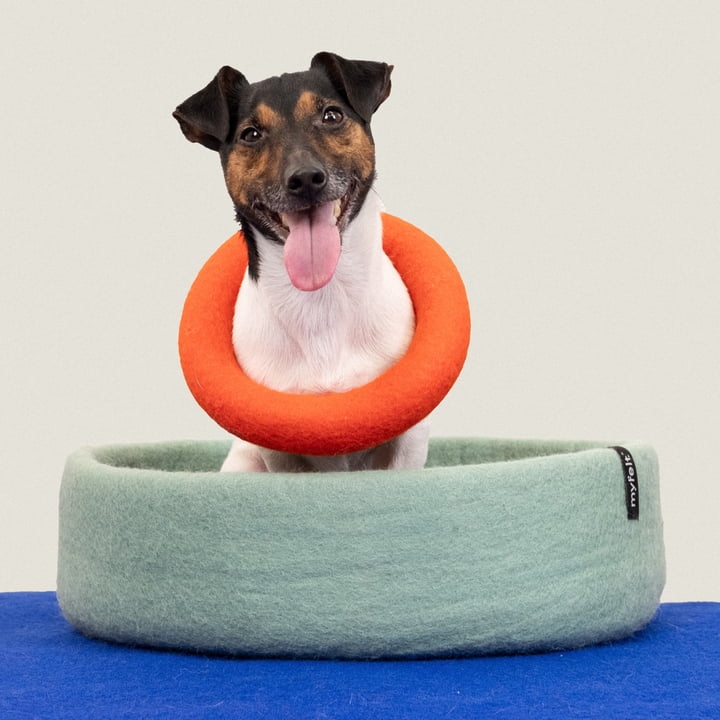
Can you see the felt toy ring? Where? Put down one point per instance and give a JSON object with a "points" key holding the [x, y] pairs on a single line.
{"points": [[334, 423]]}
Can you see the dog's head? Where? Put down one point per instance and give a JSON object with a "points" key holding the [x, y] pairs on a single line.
{"points": [[297, 153]]}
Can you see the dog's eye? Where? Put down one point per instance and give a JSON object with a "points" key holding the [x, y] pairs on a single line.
{"points": [[250, 135], [332, 116]]}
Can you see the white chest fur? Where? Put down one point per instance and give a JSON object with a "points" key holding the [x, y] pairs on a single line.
{"points": [[332, 339]]}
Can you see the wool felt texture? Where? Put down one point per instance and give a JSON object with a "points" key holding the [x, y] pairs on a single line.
{"points": [[669, 670], [497, 546], [333, 423]]}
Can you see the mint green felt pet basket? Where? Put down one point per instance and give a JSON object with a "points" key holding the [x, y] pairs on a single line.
{"points": [[497, 546]]}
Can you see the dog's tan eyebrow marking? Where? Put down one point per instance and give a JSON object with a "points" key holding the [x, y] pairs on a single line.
{"points": [[266, 117], [307, 105]]}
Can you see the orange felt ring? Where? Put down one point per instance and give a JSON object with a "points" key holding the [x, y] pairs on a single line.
{"points": [[333, 423]]}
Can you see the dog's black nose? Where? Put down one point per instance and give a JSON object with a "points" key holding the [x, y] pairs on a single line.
{"points": [[307, 182]]}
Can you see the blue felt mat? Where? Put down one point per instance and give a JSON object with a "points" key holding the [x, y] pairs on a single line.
{"points": [[47, 670]]}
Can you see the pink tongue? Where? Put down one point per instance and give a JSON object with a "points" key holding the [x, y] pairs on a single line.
{"points": [[312, 248]]}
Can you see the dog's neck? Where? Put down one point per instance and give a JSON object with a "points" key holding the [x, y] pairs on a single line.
{"points": [[330, 339]]}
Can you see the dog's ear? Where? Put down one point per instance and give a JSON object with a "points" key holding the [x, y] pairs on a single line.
{"points": [[364, 84], [206, 116]]}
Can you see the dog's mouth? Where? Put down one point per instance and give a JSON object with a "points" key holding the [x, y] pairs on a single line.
{"points": [[312, 240]]}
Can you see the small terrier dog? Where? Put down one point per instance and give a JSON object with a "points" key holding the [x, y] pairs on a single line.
{"points": [[321, 309]]}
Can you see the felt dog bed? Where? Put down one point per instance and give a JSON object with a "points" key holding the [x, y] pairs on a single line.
{"points": [[497, 546]]}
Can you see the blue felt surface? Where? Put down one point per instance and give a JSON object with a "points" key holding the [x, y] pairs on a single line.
{"points": [[47, 670]]}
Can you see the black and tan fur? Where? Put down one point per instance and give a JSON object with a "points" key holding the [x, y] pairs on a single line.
{"points": [[272, 131]]}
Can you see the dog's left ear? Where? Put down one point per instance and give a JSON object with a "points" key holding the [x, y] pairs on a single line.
{"points": [[364, 84]]}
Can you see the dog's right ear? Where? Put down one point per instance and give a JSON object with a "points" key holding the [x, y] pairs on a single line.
{"points": [[206, 116]]}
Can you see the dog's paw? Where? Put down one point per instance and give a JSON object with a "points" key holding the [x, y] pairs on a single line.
{"points": [[243, 457], [409, 450]]}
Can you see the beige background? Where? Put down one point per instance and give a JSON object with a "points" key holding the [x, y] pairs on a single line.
{"points": [[566, 154]]}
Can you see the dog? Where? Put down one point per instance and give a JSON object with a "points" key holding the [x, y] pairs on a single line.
{"points": [[322, 308]]}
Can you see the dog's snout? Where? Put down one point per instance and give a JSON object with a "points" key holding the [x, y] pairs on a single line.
{"points": [[307, 181]]}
